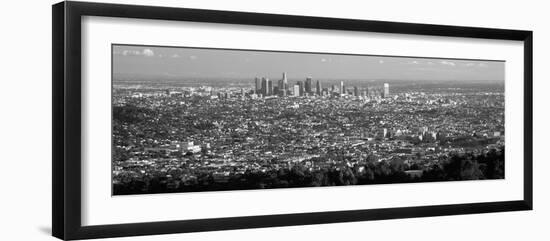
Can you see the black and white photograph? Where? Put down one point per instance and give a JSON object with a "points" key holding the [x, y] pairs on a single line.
{"points": [[191, 119]]}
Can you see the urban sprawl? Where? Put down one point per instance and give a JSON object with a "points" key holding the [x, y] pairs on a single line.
{"points": [[274, 134]]}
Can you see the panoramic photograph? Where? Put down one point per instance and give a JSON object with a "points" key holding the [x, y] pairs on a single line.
{"points": [[187, 119]]}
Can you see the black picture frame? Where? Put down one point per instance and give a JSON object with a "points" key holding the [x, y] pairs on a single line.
{"points": [[66, 127]]}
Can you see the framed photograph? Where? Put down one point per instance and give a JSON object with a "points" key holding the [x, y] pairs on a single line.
{"points": [[169, 120]]}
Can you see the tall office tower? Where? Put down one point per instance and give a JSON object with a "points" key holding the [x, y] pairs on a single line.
{"points": [[258, 87], [332, 88], [301, 90], [355, 91], [296, 90], [269, 87], [342, 91], [386, 90], [318, 88], [285, 82], [309, 85], [263, 89]]}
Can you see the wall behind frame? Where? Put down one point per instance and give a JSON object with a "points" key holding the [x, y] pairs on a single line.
{"points": [[26, 119]]}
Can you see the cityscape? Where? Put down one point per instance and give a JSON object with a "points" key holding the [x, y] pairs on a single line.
{"points": [[174, 133]]}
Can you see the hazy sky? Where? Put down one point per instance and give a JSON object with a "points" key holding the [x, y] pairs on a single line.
{"points": [[216, 63]]}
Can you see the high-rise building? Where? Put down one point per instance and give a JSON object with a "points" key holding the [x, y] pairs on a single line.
{"points": [[264, 86], [386, 90], [355, 91], [269, 87], [342, 91], [301, 88], [296, 90], [285, 82], [258, 86], [308, 86], [318, 88]]}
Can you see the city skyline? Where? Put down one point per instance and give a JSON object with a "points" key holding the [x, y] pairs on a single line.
{"points": [[182, 62], [264, 87]]}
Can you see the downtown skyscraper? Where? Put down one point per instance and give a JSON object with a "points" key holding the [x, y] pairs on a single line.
{"points": [[318, 88], [308, 85], [258, 85], [283, 85]]}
